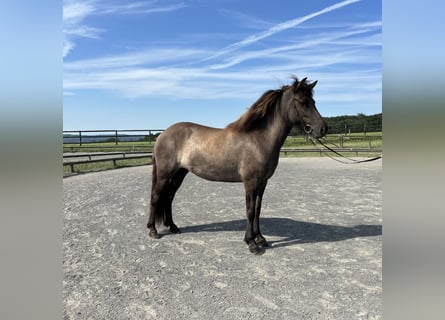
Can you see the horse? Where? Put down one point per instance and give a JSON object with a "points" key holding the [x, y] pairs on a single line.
{"points": [[247, 150]]}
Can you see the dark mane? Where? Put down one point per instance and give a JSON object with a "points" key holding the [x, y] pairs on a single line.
{"points": [[263, 108], [303, 86], [258, 111]]}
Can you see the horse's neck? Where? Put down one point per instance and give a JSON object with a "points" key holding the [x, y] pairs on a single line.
{"points": [[277, 129]]}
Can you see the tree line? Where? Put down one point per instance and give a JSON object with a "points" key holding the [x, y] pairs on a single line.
{"points": [[350, 124]]}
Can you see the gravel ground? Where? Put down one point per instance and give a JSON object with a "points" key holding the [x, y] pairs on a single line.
{"points": [[323, 220]]}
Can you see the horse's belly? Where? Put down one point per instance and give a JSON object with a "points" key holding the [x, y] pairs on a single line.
{"points": [[210, 161], [221, 174]]}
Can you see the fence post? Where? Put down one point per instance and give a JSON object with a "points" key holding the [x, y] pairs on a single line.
{"points": [[80, 138], [115, 138], [149, 136]]}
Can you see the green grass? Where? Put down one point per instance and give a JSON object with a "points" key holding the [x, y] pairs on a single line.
{"points": [[331, 154], [130, 146], [356, 140], [105, 165]]}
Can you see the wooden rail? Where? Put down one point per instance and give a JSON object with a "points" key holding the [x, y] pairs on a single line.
{"points": [[83, 137], [86, 158], [339, 150], [134, 148]]}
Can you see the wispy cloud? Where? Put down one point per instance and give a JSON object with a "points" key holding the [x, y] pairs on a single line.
{"points": [[133, 75], [314, 41], [178, 71], [245, 20], [75, 12], [157, 57], [278, 28], [141, 7]]}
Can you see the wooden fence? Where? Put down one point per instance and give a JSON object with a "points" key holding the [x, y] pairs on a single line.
{"points": [[113, 148], [84, 137], [72, 160]]}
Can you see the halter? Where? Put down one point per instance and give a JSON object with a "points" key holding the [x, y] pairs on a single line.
{"points": [[352, 161]]}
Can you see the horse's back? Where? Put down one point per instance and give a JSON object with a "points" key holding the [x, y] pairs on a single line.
{"points": [[181, 133], [183, 137], [205, 151]]}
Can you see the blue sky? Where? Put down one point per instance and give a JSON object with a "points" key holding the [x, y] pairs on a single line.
{"points": [[149, 64]]}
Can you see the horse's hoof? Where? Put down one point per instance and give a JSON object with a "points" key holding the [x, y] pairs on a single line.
{"points": [[154, 234], [255, 249], [174, 229], [262, 243]]}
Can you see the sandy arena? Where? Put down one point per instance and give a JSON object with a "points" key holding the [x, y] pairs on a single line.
{"points": [[323, 220]]}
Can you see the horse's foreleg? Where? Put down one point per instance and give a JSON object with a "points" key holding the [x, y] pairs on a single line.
{"points": [[260, 240], [249, 237], [252, 229]]}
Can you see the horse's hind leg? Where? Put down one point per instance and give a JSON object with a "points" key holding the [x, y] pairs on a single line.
{"points": [[156, 207], [170, 192]]}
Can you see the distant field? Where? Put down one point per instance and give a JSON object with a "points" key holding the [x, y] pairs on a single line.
{"points": [[371, 140], [106, 165], [356, 140], [129, 146]]}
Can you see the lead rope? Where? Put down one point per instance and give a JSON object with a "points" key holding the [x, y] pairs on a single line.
{"points": [[352, 161]]}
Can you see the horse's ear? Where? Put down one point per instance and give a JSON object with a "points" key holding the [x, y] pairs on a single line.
{"points": [[298, 84], [312, 85]]}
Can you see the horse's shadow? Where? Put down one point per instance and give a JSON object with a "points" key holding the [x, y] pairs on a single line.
{"points": [[292, 231]]}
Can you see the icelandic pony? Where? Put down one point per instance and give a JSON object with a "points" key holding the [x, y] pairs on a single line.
{"points": [[246, 151]]}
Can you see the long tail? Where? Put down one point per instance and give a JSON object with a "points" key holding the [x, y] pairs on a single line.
{"points": [[154, 176]]}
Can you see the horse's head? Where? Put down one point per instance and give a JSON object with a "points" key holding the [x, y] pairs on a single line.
{"points": [[302, 111]]}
